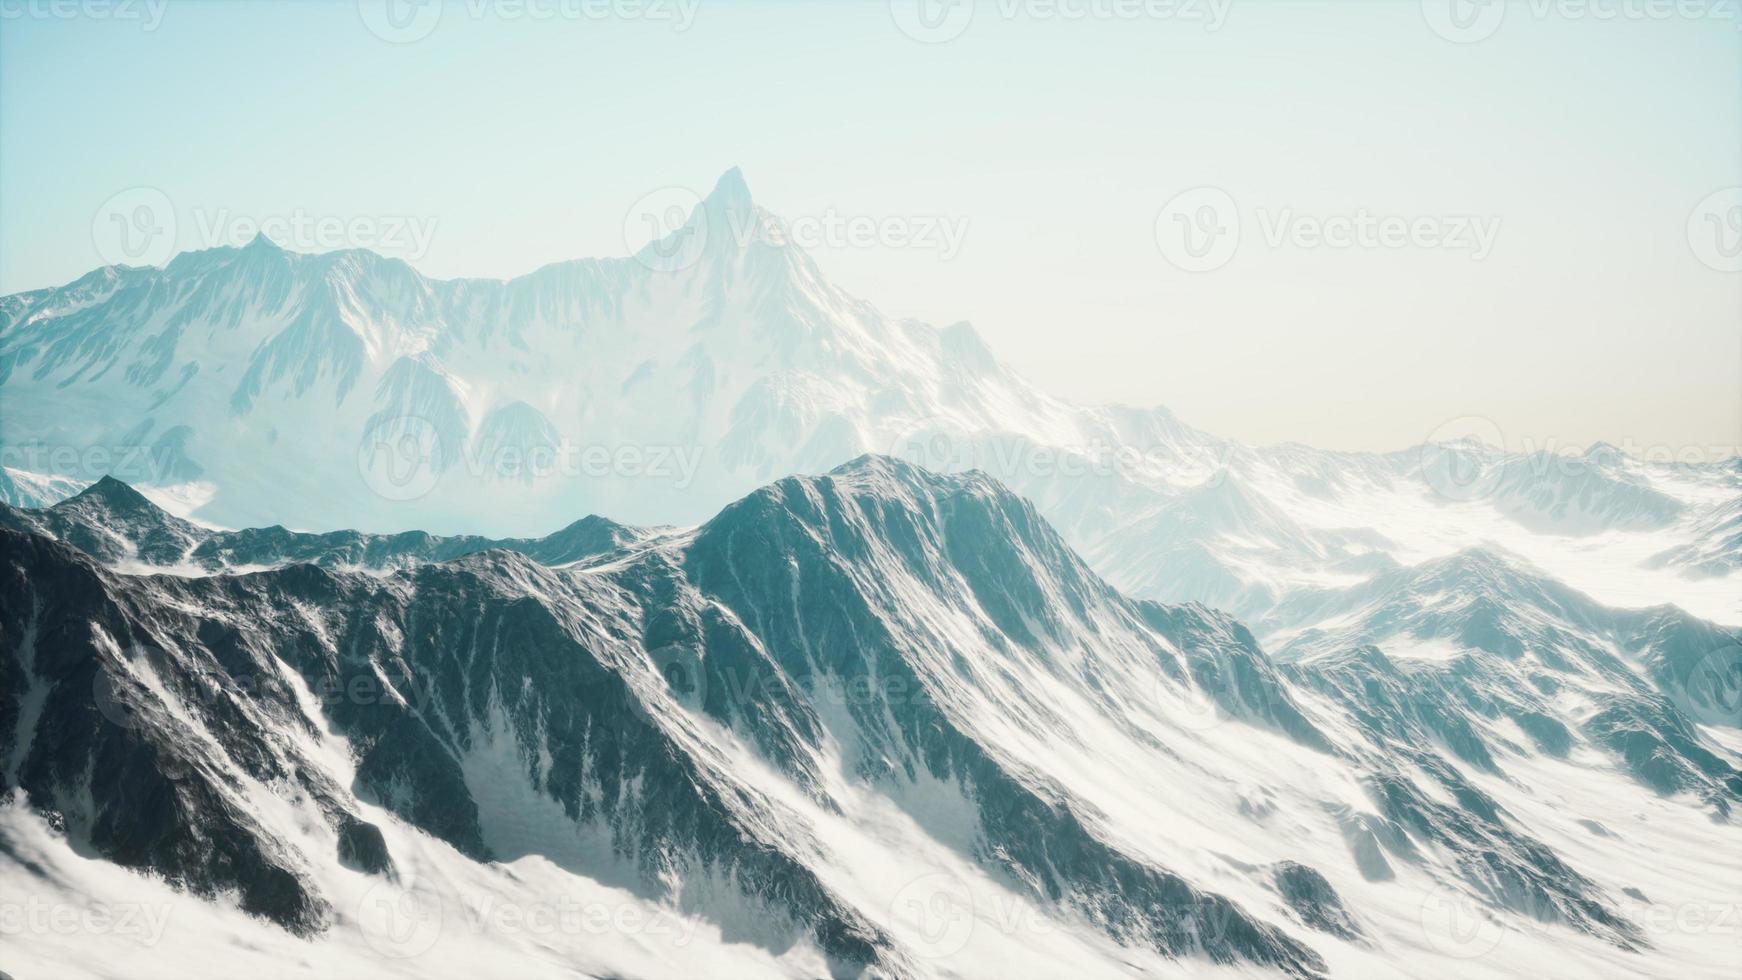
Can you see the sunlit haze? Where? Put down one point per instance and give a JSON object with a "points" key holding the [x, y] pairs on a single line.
{"points": [[1512, 220]]}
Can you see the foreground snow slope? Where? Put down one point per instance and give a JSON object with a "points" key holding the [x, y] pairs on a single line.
{"points": [[879, 722]]}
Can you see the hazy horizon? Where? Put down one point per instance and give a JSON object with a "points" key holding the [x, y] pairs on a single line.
{"points": [[1497, 231]]}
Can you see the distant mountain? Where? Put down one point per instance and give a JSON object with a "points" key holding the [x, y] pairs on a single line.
{"points": [[1716, 549], [878, 722], [20, 488], [111, 521], [254, 386], [1479, 639], [294, 385]]}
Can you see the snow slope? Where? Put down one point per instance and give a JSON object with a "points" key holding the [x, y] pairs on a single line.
{"points": [[879, 722], [255, 386]]}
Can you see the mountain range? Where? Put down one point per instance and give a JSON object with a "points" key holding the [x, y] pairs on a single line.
{"points": [[851, 653], [254, 386], [882, 721]]}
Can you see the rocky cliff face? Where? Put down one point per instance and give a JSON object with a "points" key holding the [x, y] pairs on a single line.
{"points": [[745, 722]]}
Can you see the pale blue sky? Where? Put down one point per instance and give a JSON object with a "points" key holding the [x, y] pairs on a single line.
{"points": [[520, 140]]}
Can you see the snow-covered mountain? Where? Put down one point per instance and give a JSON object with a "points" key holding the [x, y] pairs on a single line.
{"points": [[255, 386], [347, 390], [879, 722]]}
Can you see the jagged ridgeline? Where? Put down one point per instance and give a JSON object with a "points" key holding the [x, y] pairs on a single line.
{"points": [[346, 389], [842, 704]]}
